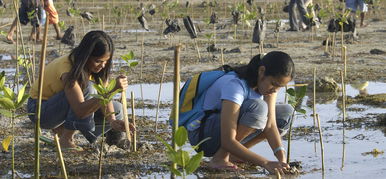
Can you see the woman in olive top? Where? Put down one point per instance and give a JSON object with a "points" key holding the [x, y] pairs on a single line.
{"points": [[67, 103]]}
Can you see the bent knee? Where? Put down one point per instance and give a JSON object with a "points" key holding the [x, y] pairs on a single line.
{"points": [[253, 113]]}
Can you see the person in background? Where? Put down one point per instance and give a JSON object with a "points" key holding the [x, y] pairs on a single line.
{"points": [[355, 5], [293, 20]]}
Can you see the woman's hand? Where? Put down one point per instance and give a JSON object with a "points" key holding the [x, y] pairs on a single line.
{"points": [[120, 125], [271, 166], [121, 82]]}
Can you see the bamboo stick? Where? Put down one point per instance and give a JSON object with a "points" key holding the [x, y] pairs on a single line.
{"points": [[5, 25], [84, 29], [278, 176], [125, 115], [343, 97], [59, 153], [103, 22], [141, 70], [344, 56], [321, 141], [326, 46], [222, 56], [314, 96], [133, 121], [159, 96], [176, 97], [40, 95]]}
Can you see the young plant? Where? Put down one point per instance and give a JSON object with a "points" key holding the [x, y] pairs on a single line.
{"points": [[9, 103], [129, 59], [105, 94], [187, 164], [294, 99]]}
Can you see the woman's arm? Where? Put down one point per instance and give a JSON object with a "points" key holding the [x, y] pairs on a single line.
{"points": [[271, 131]]}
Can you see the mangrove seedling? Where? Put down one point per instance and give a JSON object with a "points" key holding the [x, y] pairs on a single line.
{"points": [[259, 33], [9, 103], [294, 99], [105, 95], [188, 23], [186, 164]]}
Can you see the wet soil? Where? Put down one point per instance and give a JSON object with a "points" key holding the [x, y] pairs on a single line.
{"points": [[151, 157]]}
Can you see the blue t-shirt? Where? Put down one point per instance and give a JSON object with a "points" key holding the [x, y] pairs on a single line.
{"points": [[228, 87]]}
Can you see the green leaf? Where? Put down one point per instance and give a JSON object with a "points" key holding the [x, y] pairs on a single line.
{"points": [[303, 111], [133, 64], [196, 146], [194, 162], [5, 143], [301, 92], [111, 85], [174, 171], [181, 136], [25, 114], [182, 158], [9, 93], [168, 146], [6, 113], [291, 91], [6, 103], [22, 101], [20, 95]]}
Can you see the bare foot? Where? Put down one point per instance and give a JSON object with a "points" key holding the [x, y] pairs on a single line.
{"points": [[222, 165], [10, 39], [235, 159]]}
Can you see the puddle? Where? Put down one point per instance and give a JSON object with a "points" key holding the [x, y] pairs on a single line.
{"points": [[5, 57], [133, 30]]}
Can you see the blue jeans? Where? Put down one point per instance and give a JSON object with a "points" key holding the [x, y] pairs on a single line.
{"points": [[57, 111], [293, 20], [253, 113]]}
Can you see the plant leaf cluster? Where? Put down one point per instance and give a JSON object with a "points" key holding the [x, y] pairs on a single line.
{"points": [[105, 92], [295, 98], [184, 161], [129, 59]]}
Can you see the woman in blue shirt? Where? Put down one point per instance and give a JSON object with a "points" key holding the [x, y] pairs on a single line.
{"points": [[246, 99]]}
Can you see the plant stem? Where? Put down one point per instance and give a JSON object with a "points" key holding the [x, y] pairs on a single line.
{"points": [[197, 49], [102, 143], [321, 141], [289, 136], [133, 120], [13, 144], [314, 96], [40, 95], [344, 56], [159, 95], [343, 98]]}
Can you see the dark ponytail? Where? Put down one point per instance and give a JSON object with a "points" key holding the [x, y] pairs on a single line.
{"points": [[276, 63]]}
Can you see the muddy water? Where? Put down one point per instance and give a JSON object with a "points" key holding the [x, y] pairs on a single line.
{"points": [[344, 155]]}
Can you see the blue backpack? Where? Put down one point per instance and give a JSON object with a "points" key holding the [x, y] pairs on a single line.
{"points": [[192, 97]]}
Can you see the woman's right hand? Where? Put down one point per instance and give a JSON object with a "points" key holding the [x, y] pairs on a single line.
{"points": [[280, 166], [121, 82]]}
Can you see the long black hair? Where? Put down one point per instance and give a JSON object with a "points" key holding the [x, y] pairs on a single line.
{"points": [[276, 63], [93, 44]]}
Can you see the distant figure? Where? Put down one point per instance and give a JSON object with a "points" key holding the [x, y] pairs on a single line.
{"points": [[353, 5], [28, 6], [294, 25]]}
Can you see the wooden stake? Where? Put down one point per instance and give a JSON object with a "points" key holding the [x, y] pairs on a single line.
{"points": [[222, 56], [84, 29], [141, 70], [103, 22], [133, 120], [314, 96], [278, 176], [321, 141], [326, 46], [59, 152], [39, 102], [333, 44], [343, 97], [344, 56], [125, 115], [159, 95], [176, 97], [5, 25]]}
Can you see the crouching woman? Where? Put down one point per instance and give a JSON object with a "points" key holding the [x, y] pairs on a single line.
{"points": [[248, 113], [67, 103]]}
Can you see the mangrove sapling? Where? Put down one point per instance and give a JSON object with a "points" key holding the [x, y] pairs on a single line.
{"points": [[9, 103], [214, 21], [343, 98], [159, 95], [236, 19], [105, 95], [278, 25], [259, 34], [59, 152], [295, 98], [184, 161]]}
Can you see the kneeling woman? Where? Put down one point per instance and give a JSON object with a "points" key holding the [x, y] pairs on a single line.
{"points": [[246, 99], [67, 103]]}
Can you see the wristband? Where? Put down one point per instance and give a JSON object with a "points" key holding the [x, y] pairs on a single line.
{"points": [[278, 149]]}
